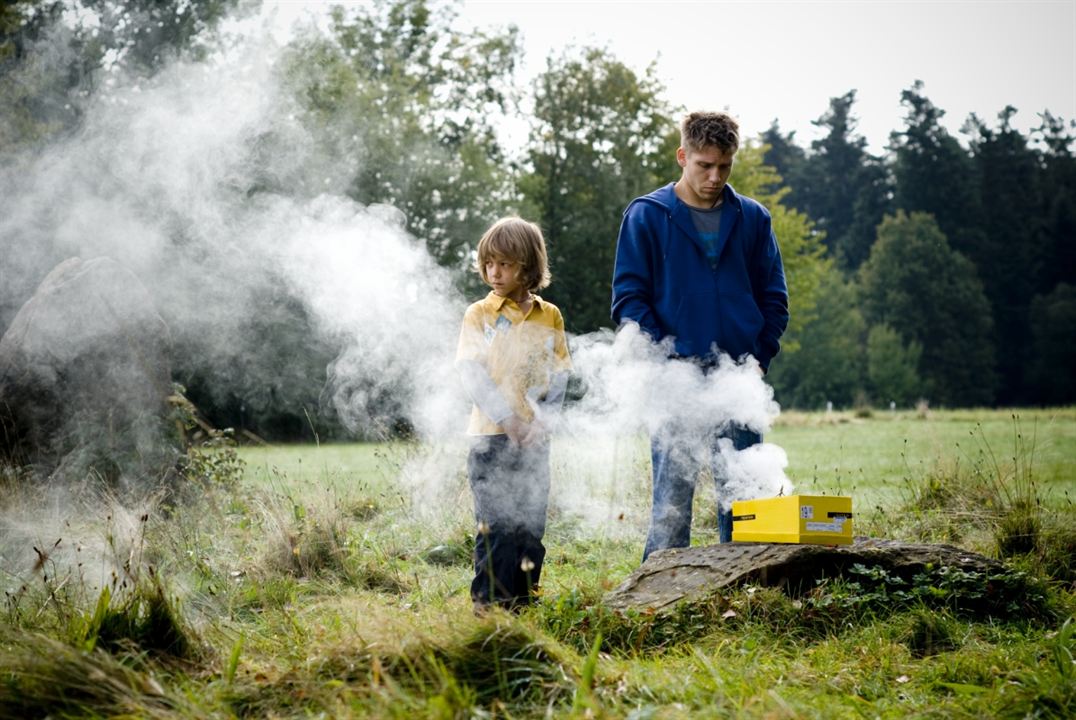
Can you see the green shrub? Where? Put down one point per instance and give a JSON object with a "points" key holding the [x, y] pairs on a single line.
{"points": [[139, 618]]}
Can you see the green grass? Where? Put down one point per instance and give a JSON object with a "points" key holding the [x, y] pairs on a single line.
{"points": [[872, 458], [358, 462], [332, 581]]}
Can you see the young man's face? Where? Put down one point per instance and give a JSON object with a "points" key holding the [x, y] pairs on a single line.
{"points": [[705, 173], [504, 276]]}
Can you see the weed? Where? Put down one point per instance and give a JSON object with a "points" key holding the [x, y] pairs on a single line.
{"points": [[317, 540], [1049, 688], [928, 632], [1008, 593], [990, 503], [372, 618], [449, 553], [578, 617], [496, 664], [584, 693], [47, 678], [214, 463], [506, 661], [141, 619], [1056, 554]]}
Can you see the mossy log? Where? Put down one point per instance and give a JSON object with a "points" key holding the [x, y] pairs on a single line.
{"points": [[669, 577]]}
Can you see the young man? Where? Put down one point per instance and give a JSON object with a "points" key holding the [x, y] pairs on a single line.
{"points": [[699, 264]]}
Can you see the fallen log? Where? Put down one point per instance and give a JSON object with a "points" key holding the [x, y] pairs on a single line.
{"points": [[670, 577]]}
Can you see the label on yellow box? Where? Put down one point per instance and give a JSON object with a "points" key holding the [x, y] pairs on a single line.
{"points": [[815, 519]]}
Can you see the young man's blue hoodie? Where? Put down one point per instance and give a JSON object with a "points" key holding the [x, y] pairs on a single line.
{"points": [[663, 280]]}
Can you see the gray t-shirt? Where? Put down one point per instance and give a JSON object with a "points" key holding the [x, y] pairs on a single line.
{"points": [[708, 223]]}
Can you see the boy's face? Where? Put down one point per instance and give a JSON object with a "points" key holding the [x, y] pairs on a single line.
{"points": [[504, 276], [705, 173]]}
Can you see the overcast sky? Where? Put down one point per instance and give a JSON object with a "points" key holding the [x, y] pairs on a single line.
{"points": [[784, 59]]}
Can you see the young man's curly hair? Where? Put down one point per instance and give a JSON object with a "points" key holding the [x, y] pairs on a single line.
{"points": [[710, 129]]}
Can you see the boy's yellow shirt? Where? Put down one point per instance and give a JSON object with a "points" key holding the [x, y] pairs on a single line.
{"points": [[519, 353]]}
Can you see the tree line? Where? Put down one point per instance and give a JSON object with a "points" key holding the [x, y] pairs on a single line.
{"points": [[952, 265], [939, 270]]}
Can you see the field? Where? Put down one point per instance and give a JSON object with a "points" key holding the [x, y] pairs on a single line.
{"points": [[332, 581]]}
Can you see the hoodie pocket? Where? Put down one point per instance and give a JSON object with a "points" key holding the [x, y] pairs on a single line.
{"points": [[697, 324], [741, 324]]}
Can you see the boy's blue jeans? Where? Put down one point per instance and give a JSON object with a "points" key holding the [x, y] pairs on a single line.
{"points": [[674, 485], [510, 485]]}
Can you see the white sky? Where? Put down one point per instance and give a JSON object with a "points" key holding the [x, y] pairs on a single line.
{"points": [[784, 59]]}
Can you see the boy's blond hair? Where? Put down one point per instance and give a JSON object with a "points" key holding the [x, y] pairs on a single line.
{"points": [[516, 239], [710, 129]]}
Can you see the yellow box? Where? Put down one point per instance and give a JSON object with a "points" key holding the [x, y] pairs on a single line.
{"points": [[812, 519]]}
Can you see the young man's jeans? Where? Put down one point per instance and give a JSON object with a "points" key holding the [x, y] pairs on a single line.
{"points": [[510, 484], [674, 485]]}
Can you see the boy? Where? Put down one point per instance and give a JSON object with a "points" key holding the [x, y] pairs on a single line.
{"points": [[699, 263], [513, 362]]}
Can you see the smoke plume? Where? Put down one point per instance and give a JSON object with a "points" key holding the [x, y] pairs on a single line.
{"points": [[204, 182]]}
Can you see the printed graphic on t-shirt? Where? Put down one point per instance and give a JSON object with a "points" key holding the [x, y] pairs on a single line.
{"points": [[709, 239]]}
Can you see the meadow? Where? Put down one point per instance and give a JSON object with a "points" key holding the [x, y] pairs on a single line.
{"points": [[332, 581]]}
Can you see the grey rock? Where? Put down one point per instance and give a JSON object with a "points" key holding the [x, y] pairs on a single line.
{"points": [[85, 378], [669, 577], [447, 554]]}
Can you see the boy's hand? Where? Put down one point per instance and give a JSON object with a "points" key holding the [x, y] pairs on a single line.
{"points": [[537, 433], [516, 429]]}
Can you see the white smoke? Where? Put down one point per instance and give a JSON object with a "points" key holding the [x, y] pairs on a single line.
{"points": [[204, 182], [159, 177], [632, 388], [632, 384], [632, 391]]}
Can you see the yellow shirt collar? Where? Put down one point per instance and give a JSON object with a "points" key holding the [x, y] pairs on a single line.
{"points": [[498, 301]]}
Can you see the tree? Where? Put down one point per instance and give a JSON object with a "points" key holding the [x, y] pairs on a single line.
{"points": [[144, 35], [53, 52], [399, 107], [404, 104], [892, 366], [839, 185], [873, 200], [1058, 194], [933, 174], [601, 136], [930, 294], [801, 246], [840, 179], [388, 102], [1053, 355], [828, 364], [1010, 256], [789, 160]]}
